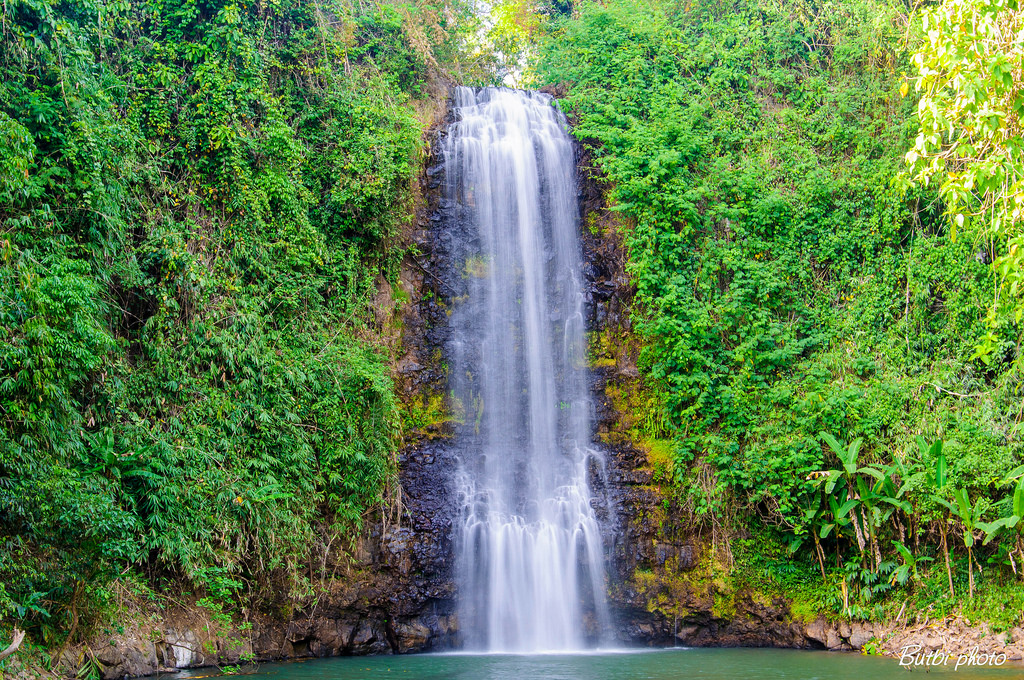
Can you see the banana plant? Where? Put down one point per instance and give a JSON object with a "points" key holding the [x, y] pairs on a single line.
{"points": [[937, 478], [869, 513], [909, 566], [823, 516], [854, 488], [1012, 521], [881, 501], [886, 490], [848, 456], [970, 517], [840, 516], [813, 519]]}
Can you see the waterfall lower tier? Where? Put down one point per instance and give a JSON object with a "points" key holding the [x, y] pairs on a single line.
{"points": [[531, 563]]}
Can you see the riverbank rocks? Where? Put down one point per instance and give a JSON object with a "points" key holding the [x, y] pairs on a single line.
{"points": [[952, 637], [842, 636]]}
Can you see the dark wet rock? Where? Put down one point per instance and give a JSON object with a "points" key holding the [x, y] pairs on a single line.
{"points": [[125, 658], [684, 556]]}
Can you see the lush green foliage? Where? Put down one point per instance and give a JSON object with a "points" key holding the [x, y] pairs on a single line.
{"points": [[970, 67], [787, 283], [198, 202]]}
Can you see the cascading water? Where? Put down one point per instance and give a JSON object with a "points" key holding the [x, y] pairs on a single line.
{"points": [[531, 569]]}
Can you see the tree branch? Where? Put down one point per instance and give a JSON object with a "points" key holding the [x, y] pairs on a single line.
{"points": [[19, 635]]}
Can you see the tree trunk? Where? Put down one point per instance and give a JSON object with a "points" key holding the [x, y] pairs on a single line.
{"points": [[949, 569], [854, 517], [820, 555], [876, 550], [970, 571]]}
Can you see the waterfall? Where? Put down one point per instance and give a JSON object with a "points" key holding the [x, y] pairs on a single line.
{"points": [[531, 563]]}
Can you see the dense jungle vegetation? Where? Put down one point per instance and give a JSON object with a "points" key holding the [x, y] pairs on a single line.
{"points": [[200, 200], [199, 203], [835, 368]]}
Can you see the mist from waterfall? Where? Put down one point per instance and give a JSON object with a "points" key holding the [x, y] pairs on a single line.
{"points": [[531, 562]]}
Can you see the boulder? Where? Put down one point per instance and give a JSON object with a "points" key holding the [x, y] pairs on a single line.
{"points": [[126, 658], [412, 636], [815, 630], [833, 640], [860, 634]]}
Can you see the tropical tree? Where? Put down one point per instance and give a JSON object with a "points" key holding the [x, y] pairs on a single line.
{"points": [[935, 479], [970, 519], [969, 75], [854, 488]]}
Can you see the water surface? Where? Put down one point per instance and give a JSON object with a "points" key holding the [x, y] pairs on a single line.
{"points": [[667, 664]]}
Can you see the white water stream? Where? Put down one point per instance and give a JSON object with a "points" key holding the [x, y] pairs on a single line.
{"points": [[531, 563]]}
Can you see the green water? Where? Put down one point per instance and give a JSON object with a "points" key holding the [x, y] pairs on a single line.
{"points": [[668, 664]]}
